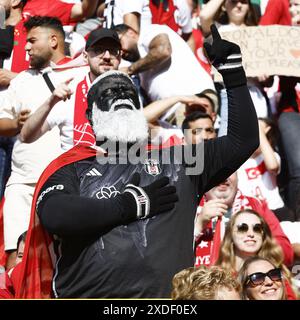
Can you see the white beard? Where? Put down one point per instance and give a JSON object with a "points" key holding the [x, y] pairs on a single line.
{"points": [[122, 125]]}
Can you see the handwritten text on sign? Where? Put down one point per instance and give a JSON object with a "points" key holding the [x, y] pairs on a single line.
{"points": [[268, 50]]}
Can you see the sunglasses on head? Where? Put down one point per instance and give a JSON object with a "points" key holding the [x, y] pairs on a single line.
{"points": [[258, 278], [244, 227]]}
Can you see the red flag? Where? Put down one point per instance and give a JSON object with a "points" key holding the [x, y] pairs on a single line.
{"points": [[216, 242]]}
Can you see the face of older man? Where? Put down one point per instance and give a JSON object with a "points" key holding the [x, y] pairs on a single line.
{"points": [[116, 109]]}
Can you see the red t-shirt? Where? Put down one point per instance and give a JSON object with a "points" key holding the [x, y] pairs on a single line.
{"points": [[52, 8], [19, 59], [277, 12]]}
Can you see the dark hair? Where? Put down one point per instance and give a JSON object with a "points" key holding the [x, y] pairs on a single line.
{"points": [[24, 2], [122, 28], [193, 117], [45, 22], [251, 18], [21, 238]]}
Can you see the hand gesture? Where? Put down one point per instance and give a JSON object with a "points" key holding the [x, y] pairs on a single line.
{"points": [[155, 198], [211, 209], [62, 92], [226, 58]]}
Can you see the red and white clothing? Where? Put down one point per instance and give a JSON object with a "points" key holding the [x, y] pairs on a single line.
{"points": [[204, 243], [28, 90], [19, 60], [178, 15], [70, 118], [54, 8], [256, 181], [116, 9], [276, 12], [199, 53]]}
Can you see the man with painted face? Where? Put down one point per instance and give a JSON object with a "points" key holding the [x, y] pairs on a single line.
{"points": [[118, 230]]}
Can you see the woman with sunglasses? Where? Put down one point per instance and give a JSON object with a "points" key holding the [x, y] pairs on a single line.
{"points": [[231, 15], [246, 235], [263, 280], [228, 14]]}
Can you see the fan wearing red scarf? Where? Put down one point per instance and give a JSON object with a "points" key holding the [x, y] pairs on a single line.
{"points": [[102, 227], [221, 202]]}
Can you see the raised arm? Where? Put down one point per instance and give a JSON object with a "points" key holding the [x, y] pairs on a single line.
{"points": [[37, 125], [133, 19], [156, 109], [160, 50], [225, 155], [270, 160], [82, 10], [207, 14]]}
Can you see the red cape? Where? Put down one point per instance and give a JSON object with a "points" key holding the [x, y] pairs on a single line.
{"points": [[37, 267]]}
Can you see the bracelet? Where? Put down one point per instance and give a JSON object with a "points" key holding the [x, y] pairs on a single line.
{"points": [[142, 200]]}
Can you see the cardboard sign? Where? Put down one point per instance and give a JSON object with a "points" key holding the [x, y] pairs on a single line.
{"points": [[268, 50]]}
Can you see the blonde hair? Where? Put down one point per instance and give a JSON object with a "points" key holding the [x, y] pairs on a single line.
{"points": [[202, 283], [243, 275], [269, 248]]}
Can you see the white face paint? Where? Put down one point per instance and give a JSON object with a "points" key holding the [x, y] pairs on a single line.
{"points": [[123, 125]]}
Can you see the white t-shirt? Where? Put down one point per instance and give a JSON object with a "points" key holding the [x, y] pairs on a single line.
{"points": [[183, 16], [292, 230], [28, 91], [256, 181], [184, 75], [62, 116], [116, 9]]}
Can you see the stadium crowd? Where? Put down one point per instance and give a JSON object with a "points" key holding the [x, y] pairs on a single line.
{"points": [[85, 80]]}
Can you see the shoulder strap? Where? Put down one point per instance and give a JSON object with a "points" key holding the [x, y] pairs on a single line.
{"points": [[48, 81]]}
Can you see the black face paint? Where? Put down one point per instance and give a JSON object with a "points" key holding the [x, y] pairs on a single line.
{"points": [[117, 92]]}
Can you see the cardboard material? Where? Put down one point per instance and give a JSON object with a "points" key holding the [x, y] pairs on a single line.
{"points": [[268, 50]]}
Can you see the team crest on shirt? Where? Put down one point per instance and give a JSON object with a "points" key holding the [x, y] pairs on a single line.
{"points": [[152, 167]]}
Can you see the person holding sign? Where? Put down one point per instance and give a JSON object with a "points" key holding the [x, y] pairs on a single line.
{"points": [[229, 15]]}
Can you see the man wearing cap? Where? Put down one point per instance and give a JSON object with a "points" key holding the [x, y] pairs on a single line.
{"points": [[102, 53], [26, 92], [122, 235]]}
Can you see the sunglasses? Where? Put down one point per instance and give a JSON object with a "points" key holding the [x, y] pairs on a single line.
{"points": [[244, 227], [258, 278], [100, 51]]}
